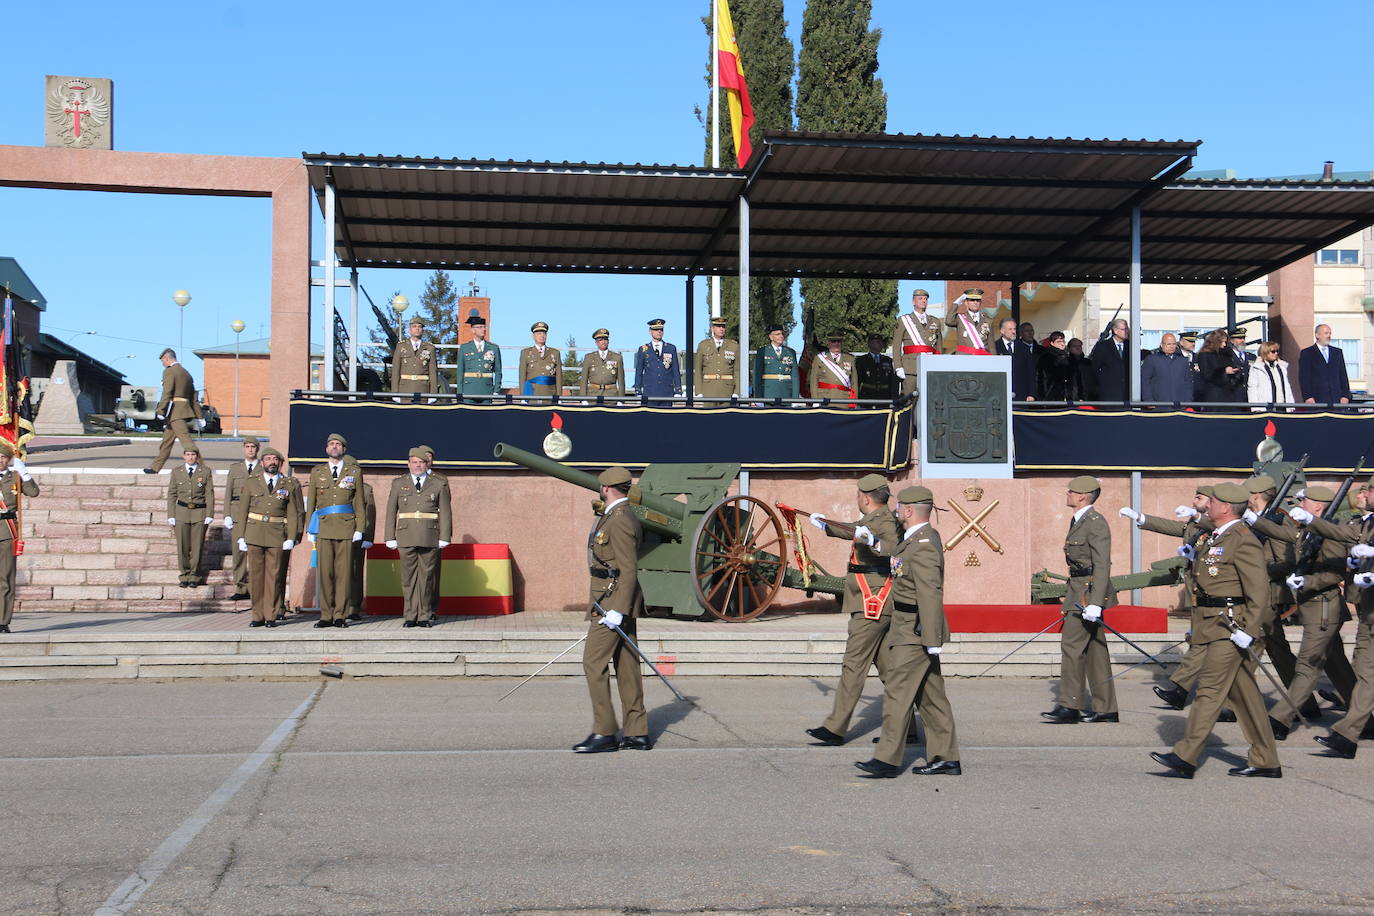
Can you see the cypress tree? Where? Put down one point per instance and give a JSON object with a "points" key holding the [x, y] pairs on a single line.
{"points": [[439, 308]]}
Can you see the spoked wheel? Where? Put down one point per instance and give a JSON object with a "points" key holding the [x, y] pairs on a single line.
{"points": [[739, 558]]}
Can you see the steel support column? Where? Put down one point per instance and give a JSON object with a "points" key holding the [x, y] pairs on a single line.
{"points": [[1016, 305], [1133, 342], [747, 370], [1230, 308], [353, 329], [688, 353], [330, 261]]}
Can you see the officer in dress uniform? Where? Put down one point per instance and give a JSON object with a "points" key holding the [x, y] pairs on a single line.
{"points": [[1243, 359], [1084, 663], [832, 372], [1280, 559], [867, 600], [775, 368], [179, 409], [969, 332], [875, 372], [916, 334], [415, 362], [716, 373], [239, 474], [1187, 344], [914, 643], [613, 563], [334, 504], [15, 479], [419, 525], [269, 517], [1356, 723], [603, 369], [190, 510], [356, 589], [1230, 602], [541, 368], [479, 362], [658, 371]]}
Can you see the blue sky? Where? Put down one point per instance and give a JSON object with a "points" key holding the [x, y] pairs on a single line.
{"points": [[1270, 88]]}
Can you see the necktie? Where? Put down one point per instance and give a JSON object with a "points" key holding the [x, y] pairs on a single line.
{"points": [[1119, 351], [272, 483], [334, 472], [251, 465], [417, 483]]}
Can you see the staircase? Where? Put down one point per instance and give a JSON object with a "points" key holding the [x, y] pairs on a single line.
{"points": [[97, 539]]}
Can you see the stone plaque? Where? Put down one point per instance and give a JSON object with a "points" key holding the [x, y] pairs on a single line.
{"points": [[78, 112], [964, 416]]}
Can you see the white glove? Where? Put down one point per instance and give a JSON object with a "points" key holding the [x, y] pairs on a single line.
{"points": [[443, 544], [1183, 513], [243, 545], [934, 650], [1250, 516], [1364, 580], [1128, 512], [228, 523], [1295, 581], [1092, 613], [901, 373], [160, 416], [611, 619], [1188, 552], [21, 469], [367, 545], [1242, 639], [200, 425], [1300, 515], [357, 536], [310, 537], [172, 522], [287, 544], [1352, 564], [960, 300], [862, 533], [209, 519], [818, 520], [1363, 551], [391, 544]]}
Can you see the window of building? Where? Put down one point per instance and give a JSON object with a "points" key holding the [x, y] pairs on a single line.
{"points": [[1345, 257], [1353, 351]]}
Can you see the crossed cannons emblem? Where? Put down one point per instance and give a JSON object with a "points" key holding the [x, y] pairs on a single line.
{"points": [[974, 525]]}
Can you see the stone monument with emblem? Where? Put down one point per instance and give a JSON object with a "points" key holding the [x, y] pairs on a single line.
{"points": [[964, 417], [78, 112]]}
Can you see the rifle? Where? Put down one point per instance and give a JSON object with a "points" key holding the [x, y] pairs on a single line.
{"points": [[1312, 542], [1107, 328], [845, 528], [1274, 511]]}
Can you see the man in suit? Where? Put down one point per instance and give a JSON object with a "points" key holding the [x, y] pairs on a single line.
{"points": [[479, 362], [876, 373], [1085, 667], [616, 600], [541, 368], [1166, 375], [419, 525], [716, 373], [1321, 371], [603, 370], [239, 474], [915, 640], [1110, 363], [832, 372], [658, 371], [16, 482], [1025, 357], [179, 409], [190, 510], [776, 374], [269, 517], [915, 335], [334, 504]]}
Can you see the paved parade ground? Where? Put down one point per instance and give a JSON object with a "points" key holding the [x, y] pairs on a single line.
{"points": [[428, 796]]}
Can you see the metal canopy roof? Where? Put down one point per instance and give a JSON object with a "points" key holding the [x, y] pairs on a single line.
{"points": [[845, 205]]}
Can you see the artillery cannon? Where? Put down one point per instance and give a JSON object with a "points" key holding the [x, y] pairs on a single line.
{"points": [[705, 550], [1049, 587]]}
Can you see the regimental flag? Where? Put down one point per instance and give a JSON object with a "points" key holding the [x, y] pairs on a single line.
{"points": [[730, 74], [16, 408]]}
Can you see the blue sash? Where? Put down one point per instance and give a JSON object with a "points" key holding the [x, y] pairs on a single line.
{"points": [[528, 387], [341, 509]]}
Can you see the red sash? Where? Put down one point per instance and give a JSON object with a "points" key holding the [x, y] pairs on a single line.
{"points": [[843, 388], [873, 604], [972, 351], [917, 348]]}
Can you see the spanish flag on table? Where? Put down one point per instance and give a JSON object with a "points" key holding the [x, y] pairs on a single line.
{"points": [[730, 74], [474, 579]]}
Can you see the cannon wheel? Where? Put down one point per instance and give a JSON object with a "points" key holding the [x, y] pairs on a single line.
{"points": [[738, 558]]}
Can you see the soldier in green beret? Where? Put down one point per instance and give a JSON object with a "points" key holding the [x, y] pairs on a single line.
{"points": [[419, 525], [269, 518], [334, 504], [479, 362], [717, 363], [190, 510], [603, 369], [415, 362], [239, 474]]}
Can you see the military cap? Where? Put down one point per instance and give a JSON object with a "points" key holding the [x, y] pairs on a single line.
{"points": [[1260, 484], [1205, 490], [476, 320], [1237, 332], [271, 451], [1319, 494], [251, 440], [416, 319], [974, 294], [336, 437], [418, 452], [191, 447], [772, 327], [1232, 493], [835, 335], [1188, 335], [614, 477], [870, 482], [6, 448], [1084, 484], [920, 292], [719, 322], [911, 495], [539, 326], [601, 334], [429, 452], [657, 324]]}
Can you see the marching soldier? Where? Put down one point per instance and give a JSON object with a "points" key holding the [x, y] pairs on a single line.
{"points": [[1230, 602], [613, 558], [1084, 662], [179, 409], [334, 502], [1279, 561], [190, 510], [877, 376], [716, 371], [832, 372], [658, 371], [269, 517], [915, 335], [239, 474], [419, 524], [970, 333], [541, 368], [356, 590], [914, 642], [603, 370], [479, 362], [415, 362], [867, 600], [1356, 723], [775, 368], [15, 479]]}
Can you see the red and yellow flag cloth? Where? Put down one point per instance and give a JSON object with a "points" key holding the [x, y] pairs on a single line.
{"points": [[731, 77]]}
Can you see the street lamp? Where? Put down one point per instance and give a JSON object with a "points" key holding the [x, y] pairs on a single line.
{"points": [[237, 325], [399, 304], [182, 299]]}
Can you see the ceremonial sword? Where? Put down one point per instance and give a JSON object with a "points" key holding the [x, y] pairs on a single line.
{"points": [[1059, 619], [637, 651], [1254, 656], [1128, 642], [1143, 661], [542, 667]]}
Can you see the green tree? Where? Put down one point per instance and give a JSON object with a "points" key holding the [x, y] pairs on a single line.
{"points": [[769, 60], [838, 90], [572, 364], [438, 306]]}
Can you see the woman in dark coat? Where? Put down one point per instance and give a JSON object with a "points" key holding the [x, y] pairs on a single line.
{"points": [[1083, 378], [1054, 369], [1217, 369]]}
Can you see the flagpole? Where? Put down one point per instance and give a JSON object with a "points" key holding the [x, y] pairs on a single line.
{"points": [[715, 127]]}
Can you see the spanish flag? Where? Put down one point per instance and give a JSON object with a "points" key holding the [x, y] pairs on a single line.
{"points": [[730, 73]]}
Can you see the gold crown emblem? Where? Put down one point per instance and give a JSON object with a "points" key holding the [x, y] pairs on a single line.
{"points": [[973, 493]]}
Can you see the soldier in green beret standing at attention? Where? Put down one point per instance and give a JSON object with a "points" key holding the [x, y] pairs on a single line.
{"points": [[190, 510], [479, 362], [415, 362], [1084, 662], [603, 370], [334, 503], [541, 368], [775, 368], [419, 525], [716, 374], [269, 518], [239, 474]]}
